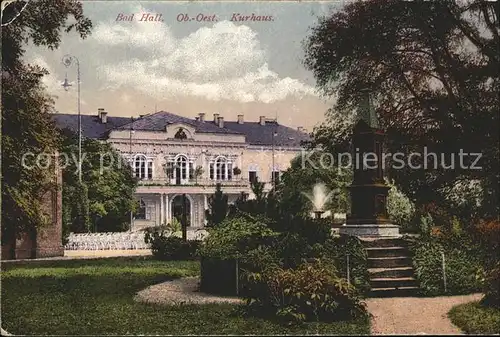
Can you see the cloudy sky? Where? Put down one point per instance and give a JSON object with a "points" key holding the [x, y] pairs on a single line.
{"points": [[184, 65]]}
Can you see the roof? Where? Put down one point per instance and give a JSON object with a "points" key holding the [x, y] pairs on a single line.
{"points": [[159, 120], [254, 132], [91, 125]]}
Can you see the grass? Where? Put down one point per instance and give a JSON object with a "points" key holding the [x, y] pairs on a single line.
{"points": [[87, 297], [473, 318]]}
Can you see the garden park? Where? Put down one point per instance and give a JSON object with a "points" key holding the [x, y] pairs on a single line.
{"points": [[419, 252]]}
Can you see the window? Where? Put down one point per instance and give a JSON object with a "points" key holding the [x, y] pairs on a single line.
{"points": [[143, 168], [221, 169], [180, 134], [252, 176], [182, 167], [141, 210]]}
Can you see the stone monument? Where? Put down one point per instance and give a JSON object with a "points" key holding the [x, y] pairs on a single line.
{"points": [[368, 190]]}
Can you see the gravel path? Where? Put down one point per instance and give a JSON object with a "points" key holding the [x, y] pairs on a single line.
{"points": [[180, 291], [415, 315]]}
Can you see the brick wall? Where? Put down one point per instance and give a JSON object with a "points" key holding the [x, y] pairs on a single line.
{"points": [[48, 241]]}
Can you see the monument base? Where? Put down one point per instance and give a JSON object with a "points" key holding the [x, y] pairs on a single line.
{"points": [[370, 230]]}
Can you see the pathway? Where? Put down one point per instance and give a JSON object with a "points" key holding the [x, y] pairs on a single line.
{"points": [[415, 315], [181, 291]]}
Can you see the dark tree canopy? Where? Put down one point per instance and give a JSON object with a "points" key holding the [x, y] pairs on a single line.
{"points": [[433, 69], [26, 107]]}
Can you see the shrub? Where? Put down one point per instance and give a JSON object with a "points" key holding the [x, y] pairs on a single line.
{"points": [[312, 292], [231, 246], [234, 237], [492, 288], [400, 208], [166, 247], [464, 272]]}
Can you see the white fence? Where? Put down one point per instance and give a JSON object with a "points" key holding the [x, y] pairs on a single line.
{"points": [[117, 240]]}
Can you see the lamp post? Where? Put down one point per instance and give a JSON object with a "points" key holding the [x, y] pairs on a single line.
{"points": [[131, 159], [67, 61], [273, 175]]}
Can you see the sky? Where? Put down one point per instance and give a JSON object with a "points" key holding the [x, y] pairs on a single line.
{"points": [[191, 57]]}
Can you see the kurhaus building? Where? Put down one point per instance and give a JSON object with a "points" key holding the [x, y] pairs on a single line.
{"points": [[173, 155]]}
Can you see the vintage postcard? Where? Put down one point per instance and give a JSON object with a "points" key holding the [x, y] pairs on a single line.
{"points": [[250, 167]]}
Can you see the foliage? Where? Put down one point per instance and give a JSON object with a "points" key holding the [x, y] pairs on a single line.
{"points": [[476, 319], [432, 69], [26, 107], [307, 170], [234, 237], [312, 292], [218, 207], [464, 272], [168, 247], [104, 199], [40, 298], [236, 171], [492, 288], [400, 208]]}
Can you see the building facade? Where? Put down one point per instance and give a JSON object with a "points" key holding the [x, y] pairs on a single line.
{"points": [[174, 156]]}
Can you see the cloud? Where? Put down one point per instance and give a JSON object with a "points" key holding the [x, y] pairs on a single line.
{"points": [[224, 61]]}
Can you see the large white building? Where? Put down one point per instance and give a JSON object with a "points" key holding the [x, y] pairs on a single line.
{"points": [[174, 155]]}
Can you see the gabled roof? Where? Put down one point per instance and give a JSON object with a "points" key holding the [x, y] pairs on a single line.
{"points": [[254, 132]]}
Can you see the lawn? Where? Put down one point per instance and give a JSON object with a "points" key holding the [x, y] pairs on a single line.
{"points": [[77, 297], [473, 318]]}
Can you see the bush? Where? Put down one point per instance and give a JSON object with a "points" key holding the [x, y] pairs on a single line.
{"points": [[234, 237], [476, 319], [312, 292], [166, 247], [227, 249], [464, 273], [492, 288], [400, 208]]}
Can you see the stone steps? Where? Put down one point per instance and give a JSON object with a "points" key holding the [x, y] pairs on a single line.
{"points": [[396, 272], [391, 268], [387, 251], [389, 262], [393, 282]]}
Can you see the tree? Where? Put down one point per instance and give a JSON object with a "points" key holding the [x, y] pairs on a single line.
{"points": [[218, 207], [26, 123], [105, 197], [432, 68]]}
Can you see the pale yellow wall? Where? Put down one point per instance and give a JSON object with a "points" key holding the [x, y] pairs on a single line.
{"points": [[158, 147]]}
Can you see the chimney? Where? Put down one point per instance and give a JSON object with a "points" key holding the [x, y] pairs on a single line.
{"points": [[262, 120], [300, 129], [99, 112], [221, 122], [240, 119], [104, 117], [202, 117], [216, 118]]}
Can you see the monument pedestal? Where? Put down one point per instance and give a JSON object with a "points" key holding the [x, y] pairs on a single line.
{"points": [[370, 230]]}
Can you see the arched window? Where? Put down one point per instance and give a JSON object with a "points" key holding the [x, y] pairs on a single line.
{"points": [[221, 169], [143, 168], [180, 134], [181, 164]]}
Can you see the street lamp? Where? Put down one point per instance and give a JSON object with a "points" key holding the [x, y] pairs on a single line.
{"points": [[68, 60], [273, 174]]}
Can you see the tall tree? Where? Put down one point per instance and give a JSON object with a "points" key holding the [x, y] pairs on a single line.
{"points": [[218, 207], [26, 123], [105, 198], [433, 70]]}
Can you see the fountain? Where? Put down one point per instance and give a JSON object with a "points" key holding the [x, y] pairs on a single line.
{"points": [[319, 197]]}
